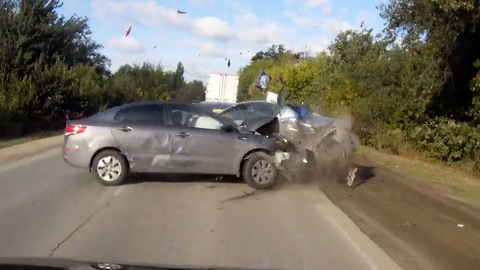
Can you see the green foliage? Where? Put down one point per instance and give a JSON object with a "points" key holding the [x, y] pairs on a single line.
{"points": [[390, 90], [446, 139], [450, 35], [50, 67], [417, 85], [146, 82], [192, 91]]}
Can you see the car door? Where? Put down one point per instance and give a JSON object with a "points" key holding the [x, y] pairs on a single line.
{"points": [[143, 137], [199, 144]]}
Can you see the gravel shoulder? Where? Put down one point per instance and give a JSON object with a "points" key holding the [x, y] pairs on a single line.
{"points": [[421, 224], [20, 151]]}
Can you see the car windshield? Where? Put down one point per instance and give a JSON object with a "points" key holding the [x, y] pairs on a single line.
{"points": [[189, 134]]}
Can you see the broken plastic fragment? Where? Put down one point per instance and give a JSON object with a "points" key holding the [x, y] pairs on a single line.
{"points": [[351, 177]]}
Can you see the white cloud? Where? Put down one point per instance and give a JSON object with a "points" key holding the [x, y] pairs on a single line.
{"points": [[317, 3], [252, 30], [314, 45], [105, 8], [213, 27], [301, 21], [205, 48], [231, 30], [332, 25], [149, 13], [246, 18], [202, 2], [125, 44]]}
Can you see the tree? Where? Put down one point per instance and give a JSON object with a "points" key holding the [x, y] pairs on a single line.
{"points": [[39, 51], [277, 52], [178, 80], [448, 32], [192, 91]]}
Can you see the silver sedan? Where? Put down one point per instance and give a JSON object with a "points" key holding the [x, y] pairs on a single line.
{"points": [[167, 137]]}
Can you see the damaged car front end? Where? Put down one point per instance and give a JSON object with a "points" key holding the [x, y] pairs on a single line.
{"points": [[307, 143]]}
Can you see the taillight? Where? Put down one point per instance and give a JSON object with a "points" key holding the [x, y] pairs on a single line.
{"points": [[74, 129]]}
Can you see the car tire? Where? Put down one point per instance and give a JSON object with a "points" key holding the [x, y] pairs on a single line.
{"points": [[259, 172], [110, 168]]}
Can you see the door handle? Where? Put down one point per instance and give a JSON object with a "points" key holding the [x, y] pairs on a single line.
{"points": [[125, 129], [183, 134]]}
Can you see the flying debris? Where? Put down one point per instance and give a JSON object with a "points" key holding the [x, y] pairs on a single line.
{"points": [[228, 64], [128, 31], [181, 12]]}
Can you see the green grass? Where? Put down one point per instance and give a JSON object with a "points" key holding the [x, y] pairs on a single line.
{"points": [[11, 142], [426, 170]]}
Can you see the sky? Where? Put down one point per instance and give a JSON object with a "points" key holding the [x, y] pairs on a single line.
{"points": [[212, 30]]}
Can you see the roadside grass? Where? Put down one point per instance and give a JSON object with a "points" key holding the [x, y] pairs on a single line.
{"points": [[420, 167], [4, 143]]}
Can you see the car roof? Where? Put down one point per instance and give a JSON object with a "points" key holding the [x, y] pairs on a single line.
{"points": [[215, 102], [254, 101], [110, 112]]}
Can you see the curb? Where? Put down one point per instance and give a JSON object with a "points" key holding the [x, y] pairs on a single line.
{"points": [[20, 151]]}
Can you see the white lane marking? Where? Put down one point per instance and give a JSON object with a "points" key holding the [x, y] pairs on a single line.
{"points": [[347, 237]]}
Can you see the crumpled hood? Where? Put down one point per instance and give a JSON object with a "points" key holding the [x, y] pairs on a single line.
{"points": [[253, 124]]}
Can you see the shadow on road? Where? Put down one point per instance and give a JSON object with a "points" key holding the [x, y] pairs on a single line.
{"points": [[364, 174], [183, 178]]}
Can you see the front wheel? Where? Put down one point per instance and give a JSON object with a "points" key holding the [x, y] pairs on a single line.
{"points": [[259, 172], [110, 168]]}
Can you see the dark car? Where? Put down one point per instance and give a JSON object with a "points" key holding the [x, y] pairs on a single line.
{"points": [[167, 137], [240, 111], [214, 106]]}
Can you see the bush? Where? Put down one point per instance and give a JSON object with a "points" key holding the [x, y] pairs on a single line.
{"points": [[446, 140]]}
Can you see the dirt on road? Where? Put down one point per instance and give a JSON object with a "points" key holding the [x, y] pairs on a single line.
{"points": [[419, 224]]}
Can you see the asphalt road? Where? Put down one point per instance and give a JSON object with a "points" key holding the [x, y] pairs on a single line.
{"points": [[48, 209]]}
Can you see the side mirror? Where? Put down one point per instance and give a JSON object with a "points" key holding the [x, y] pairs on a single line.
{"points": [[227, 127]]}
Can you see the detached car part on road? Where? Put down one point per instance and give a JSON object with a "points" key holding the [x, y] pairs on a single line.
{"points": [[167, 137]]}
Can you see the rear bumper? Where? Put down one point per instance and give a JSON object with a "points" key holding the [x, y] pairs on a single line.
{"points": [[76, 153]]}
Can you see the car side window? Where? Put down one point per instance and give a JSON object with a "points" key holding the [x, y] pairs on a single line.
{"points": [[190, 116], [265, 109], [143, 114]]}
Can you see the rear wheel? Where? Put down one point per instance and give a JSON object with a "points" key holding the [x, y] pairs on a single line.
{"points": [[259, 172], [110, 168]]}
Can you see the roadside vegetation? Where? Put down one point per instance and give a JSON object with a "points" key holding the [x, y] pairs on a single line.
{"points": [[50, 67], [414, 88]]}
